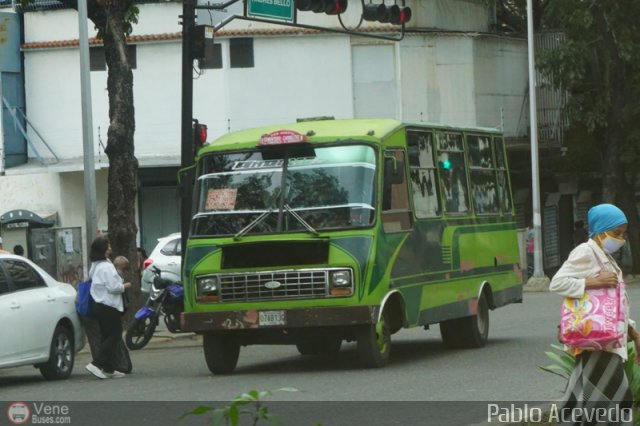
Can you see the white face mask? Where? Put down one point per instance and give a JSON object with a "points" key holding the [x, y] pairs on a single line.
{"points": [[611, 244]]}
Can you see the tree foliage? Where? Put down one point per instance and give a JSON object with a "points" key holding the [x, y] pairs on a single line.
{"points": [[597, 63]]}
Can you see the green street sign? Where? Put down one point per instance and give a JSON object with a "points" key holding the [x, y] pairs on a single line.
{"points": [[276, 9]]}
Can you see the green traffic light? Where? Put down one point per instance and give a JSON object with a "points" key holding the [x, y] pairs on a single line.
{"points": [[446, 164]]}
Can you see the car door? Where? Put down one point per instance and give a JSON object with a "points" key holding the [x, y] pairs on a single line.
{"points": [[34, 308], [10, 318]]}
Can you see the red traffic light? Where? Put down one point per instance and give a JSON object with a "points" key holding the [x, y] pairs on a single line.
{"points": [[330, 7], [199, 134], [393, 14]]}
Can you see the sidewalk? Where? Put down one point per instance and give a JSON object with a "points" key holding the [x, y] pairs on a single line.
{"points": [[161, 335]]}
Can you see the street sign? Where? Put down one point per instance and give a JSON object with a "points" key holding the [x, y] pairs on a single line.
{"points": [[276, 9]]}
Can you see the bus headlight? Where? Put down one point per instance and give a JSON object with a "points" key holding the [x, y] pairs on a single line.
{"points": [[340, 283], [208, 289]]}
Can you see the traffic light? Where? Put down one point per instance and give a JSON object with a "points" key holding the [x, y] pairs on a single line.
{"points": [[330, 7], [199, 134], [392, 14]]}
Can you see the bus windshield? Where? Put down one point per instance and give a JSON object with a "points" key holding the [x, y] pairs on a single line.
{"points": [[245, 192]]}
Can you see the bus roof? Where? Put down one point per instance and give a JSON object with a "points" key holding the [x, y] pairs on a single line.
{"points": [[319, 130]]}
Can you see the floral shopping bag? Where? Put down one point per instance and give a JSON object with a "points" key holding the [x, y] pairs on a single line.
{"points": [[596, 320]]}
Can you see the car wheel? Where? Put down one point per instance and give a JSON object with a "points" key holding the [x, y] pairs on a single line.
{"points": [[221, 353], [61, 355]]}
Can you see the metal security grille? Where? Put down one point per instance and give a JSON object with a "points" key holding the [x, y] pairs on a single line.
{"points": [[273, 285]]}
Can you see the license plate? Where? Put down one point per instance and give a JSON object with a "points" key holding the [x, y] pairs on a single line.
{"points": [[272, 318]]}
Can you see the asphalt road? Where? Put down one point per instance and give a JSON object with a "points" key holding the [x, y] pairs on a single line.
{"points": [[457, 384]]}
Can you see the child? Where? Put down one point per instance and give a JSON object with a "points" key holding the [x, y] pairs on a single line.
{"points": [[121, 264]]}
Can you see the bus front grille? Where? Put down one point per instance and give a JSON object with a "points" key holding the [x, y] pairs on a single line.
{"points": [[303, 284]]}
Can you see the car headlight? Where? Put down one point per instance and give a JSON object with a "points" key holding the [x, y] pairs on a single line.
{"points": [[340, 282], [207, 288], [207, 285], [340, 278]]}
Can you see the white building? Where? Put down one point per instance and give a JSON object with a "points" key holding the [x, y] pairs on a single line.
{"points": [[449, 68]]}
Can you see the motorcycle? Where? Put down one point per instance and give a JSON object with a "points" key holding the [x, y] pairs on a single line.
{"points": [[166, 297]]}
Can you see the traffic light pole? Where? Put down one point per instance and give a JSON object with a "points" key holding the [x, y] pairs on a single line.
{"points": [[187, 149], [187, 154]]}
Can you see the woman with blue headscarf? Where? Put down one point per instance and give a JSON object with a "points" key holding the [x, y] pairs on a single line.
{"points": [[598, 376]]}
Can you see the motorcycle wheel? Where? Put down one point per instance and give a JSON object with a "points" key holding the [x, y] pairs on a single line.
{"points": [[140, 332]]}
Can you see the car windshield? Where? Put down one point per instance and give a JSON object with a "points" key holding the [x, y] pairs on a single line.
{"points": [[246, 192]]}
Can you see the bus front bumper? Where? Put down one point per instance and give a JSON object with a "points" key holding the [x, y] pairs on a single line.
{"points": [[279, 318]]}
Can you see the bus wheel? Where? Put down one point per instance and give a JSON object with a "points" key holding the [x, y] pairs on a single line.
{"points": [[374, 343], [468, 332], [221, 353], [319, 346]]}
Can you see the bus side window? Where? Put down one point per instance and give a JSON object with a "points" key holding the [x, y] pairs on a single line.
{"points": [[396, 214], [453, 172], [504, 192], [483, 175], [424, 184]]}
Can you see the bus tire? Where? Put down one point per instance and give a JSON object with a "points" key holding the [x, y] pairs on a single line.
{"points": [[374, 343], [221, 353], [319, 346], [468, 332]]}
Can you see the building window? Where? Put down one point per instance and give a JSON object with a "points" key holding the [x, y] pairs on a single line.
{"points": [[97, 61], [215, 59], [241, 52]]}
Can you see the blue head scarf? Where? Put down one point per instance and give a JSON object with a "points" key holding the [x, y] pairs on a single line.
{"points": [[604, 217]]}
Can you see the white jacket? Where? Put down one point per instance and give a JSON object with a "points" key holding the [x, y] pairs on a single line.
{"points": [[581, 264], [106, 284]]}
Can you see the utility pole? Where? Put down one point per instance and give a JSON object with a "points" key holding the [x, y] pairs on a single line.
{"points": [[87, 127], [538, 279], [187, 154]]}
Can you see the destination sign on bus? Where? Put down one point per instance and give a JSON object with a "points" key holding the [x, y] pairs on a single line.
{"points": [[282, 137]]}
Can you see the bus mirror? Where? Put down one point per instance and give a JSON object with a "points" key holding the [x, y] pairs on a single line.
{"points": [[393, 170]]}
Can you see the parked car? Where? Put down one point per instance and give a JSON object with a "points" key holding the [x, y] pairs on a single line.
{"points": [[167, 256], [40, 325]]}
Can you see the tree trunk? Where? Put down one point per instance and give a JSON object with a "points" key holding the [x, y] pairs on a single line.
{"points": [[123, 165]]}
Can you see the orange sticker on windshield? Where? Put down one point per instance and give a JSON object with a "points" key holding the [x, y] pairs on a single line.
{"points": [[221, 199]]}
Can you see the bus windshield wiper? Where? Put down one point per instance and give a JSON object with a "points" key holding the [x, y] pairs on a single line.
{"points": [[252, 225], [301, 220]]}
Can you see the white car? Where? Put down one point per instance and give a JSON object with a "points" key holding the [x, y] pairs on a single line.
{"points": [[40, 325], [166, 256]]}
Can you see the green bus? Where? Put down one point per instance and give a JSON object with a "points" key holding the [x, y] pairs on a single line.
{"points": [[319, 232]]}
